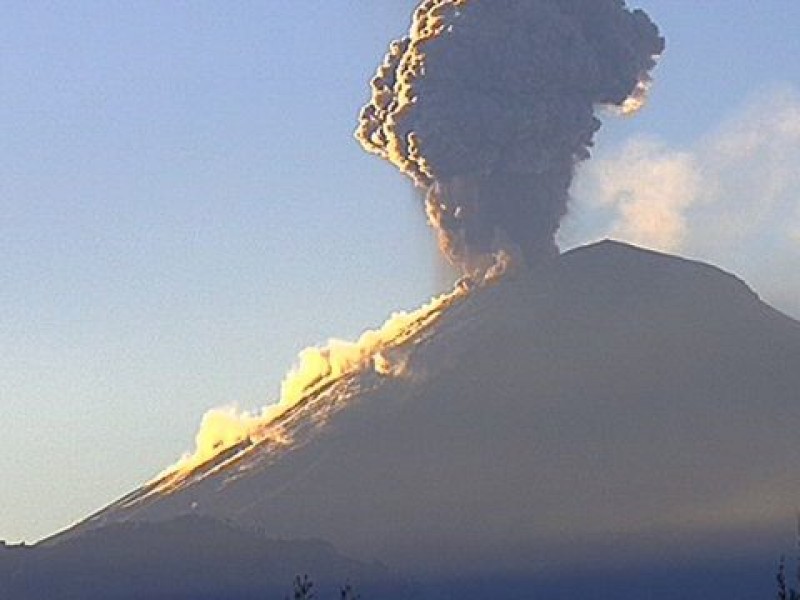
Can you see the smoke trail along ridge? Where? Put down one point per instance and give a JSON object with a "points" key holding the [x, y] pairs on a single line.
{"points": [[488, 105], [379, 350]]}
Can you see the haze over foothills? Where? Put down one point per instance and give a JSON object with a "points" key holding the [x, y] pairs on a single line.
{"points": [[184, 209]]}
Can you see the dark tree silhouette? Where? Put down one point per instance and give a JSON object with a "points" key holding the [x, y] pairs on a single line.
{"points": [[347, 593], [303, 588], [780, 577], [785, 592]]}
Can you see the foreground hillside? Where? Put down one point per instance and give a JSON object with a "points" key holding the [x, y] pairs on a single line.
{"points": [[189, 558]]}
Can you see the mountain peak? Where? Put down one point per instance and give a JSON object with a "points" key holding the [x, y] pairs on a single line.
{"points": [[607, 395]]}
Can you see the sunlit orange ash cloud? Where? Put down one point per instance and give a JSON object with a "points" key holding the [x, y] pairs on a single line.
{"points": [[223, 428]]}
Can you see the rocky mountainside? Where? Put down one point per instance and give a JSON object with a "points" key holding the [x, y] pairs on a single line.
{"points": [[619, 408]]}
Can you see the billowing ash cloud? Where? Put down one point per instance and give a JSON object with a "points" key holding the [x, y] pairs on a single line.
{"points": [[488, 105]]}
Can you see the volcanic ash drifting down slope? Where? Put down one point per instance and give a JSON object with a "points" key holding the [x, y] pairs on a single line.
{"points": [[226, 435]]}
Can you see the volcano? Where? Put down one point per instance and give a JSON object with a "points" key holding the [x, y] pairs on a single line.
{"points": [[615, 407]]}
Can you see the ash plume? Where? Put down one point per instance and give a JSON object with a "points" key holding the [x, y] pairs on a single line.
{"points": [[487, 105]]}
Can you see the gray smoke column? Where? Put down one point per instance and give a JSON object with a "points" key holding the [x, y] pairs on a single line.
{"points": [[489, 104]]}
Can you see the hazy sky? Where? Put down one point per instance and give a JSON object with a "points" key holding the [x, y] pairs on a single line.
{"points": [[183, 208]]}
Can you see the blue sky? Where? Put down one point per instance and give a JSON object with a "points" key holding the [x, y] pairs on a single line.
{"points": [[183, 209]]}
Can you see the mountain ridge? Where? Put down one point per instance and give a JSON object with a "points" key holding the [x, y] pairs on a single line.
{"points": [[605, 396]]}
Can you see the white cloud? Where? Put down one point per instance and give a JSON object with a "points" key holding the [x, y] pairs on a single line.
{"points": [[649, 187], [732, 199]]}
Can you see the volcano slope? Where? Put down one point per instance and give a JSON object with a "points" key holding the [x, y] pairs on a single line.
{"points": [[622, 409]]}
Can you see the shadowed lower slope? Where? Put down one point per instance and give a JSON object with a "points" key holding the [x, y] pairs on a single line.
{"points": [[189, 558]]}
